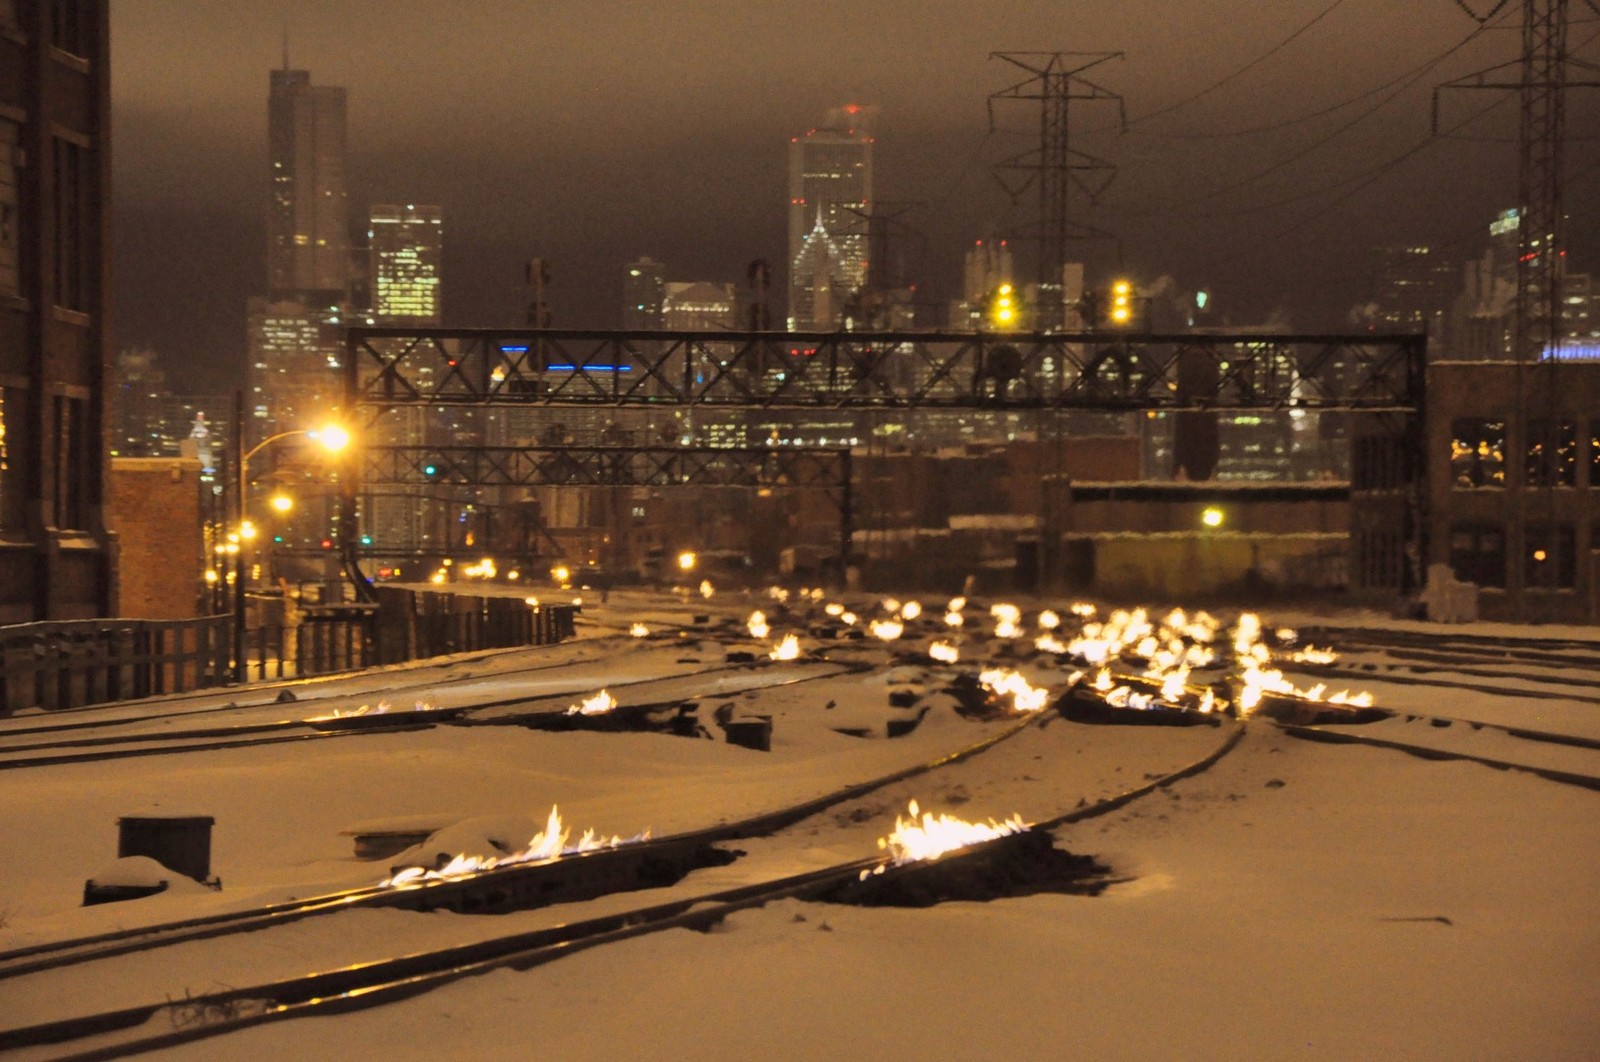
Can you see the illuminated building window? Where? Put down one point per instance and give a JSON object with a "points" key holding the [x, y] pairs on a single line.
{"points": [[1594, 453], [1477, 453], [1478, 554], [1549, 561], [1551, 458]]}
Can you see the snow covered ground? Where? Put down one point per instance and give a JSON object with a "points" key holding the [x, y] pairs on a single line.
{"points": [[1298, 900]]}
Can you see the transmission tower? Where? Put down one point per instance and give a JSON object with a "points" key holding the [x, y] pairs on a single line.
{"points": [[1541, 84], [1055, 81]]}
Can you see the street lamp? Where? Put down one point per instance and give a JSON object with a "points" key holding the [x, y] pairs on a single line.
{"points": [[333, 438]]}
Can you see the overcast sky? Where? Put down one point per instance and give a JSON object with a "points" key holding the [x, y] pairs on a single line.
{"points": [[589, 132]]}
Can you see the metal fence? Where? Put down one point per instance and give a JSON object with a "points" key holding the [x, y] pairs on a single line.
{"points": [[69, 663]]}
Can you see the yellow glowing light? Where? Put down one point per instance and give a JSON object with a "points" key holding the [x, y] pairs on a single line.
{"points": [[211, 575], [333, 438], [1539, 554], [1212, 517], [687, 560], [561, 573], [282, 502]]}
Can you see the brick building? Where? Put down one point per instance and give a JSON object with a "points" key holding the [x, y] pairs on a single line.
{"points": [[56, 559]]}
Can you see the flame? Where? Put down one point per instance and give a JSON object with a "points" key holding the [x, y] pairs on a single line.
{"points": [[1312, 655], [1004, 613], [757, 624], [926, 835], [1288, 635], [1049, 620], [787, 649], [891, 604], [549, 843], [1049, 643], [599, 704], [953, 619], [956, 604], [1172, 684], [910, 610], [639, 630], [1102, 680], [1082, 609], [833, 608], [888, 630], [848, 618], [778, 594], [706, 589], [1005, 683], [944, 652]]}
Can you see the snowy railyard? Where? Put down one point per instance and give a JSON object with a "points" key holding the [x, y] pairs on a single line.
{"points": [[1206, 844]]}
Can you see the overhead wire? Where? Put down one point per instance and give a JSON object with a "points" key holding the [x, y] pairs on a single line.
{"points": [[1246, 68]]}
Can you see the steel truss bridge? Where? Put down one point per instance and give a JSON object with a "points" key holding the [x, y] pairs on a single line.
{"points": [[388, 369]]}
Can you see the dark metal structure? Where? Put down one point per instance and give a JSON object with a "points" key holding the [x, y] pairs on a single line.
{"points": [[1055, 168], [1376, 375]]}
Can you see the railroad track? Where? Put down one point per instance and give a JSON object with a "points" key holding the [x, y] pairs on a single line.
{"points": [[1568, 759], [1459, 647], [132, 1030], [120, 746]]}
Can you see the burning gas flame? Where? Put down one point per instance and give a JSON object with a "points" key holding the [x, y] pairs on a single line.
{"points": [[757, 624], [891, 604], [1049, 643], [549, 843], [944, 652], [848, 618], [1312, 655], [888, 630], [953, 619], [639, 630], [706, 589], [956, 604], [1049, 619], [833, 608], [910, 610], [787, 649], [599, 704], [926, 835], [1025, 697]]}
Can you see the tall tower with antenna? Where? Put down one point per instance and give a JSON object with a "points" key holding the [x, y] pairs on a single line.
{"points": [[1055, 168]]}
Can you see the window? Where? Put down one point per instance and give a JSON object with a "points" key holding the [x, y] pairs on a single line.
{"points": [[1551, 458], [71, 464], [1594, 453], [72, 27], [12, 502], [1478, 453], [10, 209], [1549, 561], [1478, 554], [73, 228]]}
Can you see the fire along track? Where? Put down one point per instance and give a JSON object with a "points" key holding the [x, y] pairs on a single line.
{"points": [[579, 876], [127, 1031], [247, 735]]}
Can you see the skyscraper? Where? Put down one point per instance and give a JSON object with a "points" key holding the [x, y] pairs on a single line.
{"points": [[643, 289], [308, 223], [406, 245], [830, 196]]}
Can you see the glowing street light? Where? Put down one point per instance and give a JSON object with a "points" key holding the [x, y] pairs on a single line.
{"points": [[281, 503], [1212, 517], [687, 560]]}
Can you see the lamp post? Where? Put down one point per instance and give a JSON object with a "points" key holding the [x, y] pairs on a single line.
{"points": [[333, 439]]}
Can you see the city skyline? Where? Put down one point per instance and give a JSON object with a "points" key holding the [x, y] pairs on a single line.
{"points": [[590, 172]]}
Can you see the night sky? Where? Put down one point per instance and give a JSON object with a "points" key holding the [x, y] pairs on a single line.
{"points": [[589, 133]]}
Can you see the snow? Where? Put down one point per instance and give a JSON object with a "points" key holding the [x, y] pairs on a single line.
{"points": [[1298, 900]]}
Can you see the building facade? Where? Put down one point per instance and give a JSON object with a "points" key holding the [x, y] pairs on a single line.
{"points": [[308, 217], [56, 556], [406, 244]]}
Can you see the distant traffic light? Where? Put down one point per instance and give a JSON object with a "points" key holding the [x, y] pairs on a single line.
{"points": [[1003, 309], [1120, 311]]}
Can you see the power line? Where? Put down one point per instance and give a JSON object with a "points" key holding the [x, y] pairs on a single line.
{"points": [[1246, 68]]}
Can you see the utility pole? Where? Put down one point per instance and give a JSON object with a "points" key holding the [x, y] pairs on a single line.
{"points": [[1541, 85], [1055, 168]]}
